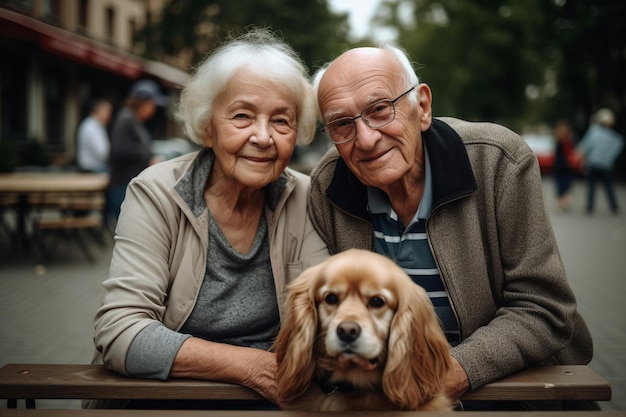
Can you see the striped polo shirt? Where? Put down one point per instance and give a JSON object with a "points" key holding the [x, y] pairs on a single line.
{"points": [[408, 247]]}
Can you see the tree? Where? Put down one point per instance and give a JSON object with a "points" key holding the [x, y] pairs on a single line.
{"points": [[198, 26], [590, 43], [518, 62], [472, 54]]}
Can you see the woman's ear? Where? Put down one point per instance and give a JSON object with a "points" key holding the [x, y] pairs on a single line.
{"points": [[207, 136]]}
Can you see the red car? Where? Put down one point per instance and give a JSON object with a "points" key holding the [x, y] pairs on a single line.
{"points": [[544, 146]]}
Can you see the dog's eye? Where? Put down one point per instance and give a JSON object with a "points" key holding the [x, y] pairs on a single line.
{"points": [[331, 299], [376, 302]]}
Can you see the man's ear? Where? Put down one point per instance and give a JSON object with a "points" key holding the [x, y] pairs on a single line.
{"points": [[425, 98]]}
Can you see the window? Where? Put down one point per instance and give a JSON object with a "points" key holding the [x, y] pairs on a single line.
{"points": [[13, 96], [50, 11], [83, 6], [55, 97], [109, 24], [132, 28]]}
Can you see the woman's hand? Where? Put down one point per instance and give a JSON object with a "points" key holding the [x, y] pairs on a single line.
{"points": [[262, 375], [249, 367]]}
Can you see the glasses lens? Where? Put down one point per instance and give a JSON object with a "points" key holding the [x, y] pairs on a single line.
{"points": [[379, 114], [340, 130]]}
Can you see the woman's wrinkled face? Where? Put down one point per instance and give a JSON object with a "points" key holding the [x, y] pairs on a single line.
{"points": [[252, 130]]}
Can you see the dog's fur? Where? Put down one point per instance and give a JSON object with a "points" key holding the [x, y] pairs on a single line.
{"points": [[358, 325]]}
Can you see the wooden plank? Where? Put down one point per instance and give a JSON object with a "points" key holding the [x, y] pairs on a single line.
{"points": [[42, 381], [563, 382], [49, 182], [69, 222], [96, 382]]}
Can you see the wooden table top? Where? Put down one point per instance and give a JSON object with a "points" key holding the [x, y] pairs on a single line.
{"points": [[572, 382], [43, 182]]}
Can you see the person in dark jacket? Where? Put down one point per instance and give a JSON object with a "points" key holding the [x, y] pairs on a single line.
{"points": [[130, 140], [565, 161]]}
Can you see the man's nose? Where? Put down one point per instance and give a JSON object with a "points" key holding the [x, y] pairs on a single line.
{"points": [[366, 136]]}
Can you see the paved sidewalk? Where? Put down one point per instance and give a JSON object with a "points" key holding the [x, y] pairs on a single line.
{"points": [[46, 314]]}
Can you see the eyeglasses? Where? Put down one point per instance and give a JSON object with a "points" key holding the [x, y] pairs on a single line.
{"points": [[376, 115]]}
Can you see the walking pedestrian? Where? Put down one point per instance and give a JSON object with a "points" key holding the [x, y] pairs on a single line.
{"points": [[600, 147], [564, 161]]}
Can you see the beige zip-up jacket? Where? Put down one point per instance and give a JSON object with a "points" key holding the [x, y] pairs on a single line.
{"points": [[160, 254]]}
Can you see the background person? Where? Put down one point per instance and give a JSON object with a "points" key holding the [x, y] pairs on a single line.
{"points": [[458, 206], [563, 169], [93, 139], [130, 140], [206, 242], [600, 147]]}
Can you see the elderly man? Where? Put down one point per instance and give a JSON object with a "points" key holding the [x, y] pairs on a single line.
{"points": [[457, 205]]}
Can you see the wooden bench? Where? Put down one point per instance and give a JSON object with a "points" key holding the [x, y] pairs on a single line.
{"points": [[41, 381]]}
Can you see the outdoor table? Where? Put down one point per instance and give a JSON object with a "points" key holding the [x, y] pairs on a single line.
{"points": [[24, 184]]}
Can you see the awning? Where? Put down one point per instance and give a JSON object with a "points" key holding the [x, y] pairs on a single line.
{"points": [[84, 50]]}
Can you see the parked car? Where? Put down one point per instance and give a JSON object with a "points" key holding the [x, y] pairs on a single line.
{"points": [[544, 145]]}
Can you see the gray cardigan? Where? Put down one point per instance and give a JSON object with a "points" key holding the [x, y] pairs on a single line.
{"points": [[493, 243]]}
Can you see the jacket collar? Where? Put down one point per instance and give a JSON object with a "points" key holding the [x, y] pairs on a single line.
{"points": [[192, 183], [452, 175]]}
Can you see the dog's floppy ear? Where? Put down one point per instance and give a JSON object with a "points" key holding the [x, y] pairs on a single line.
{"points": [[295, 341], [419, 360]]}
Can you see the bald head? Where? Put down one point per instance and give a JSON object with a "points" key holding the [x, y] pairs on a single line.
{"points": [[359, 62], [356, 61]]}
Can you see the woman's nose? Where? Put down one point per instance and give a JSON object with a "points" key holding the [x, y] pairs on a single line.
{"points": [[262, 136]]}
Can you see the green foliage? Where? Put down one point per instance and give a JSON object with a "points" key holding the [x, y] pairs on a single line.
{"points": [[482, 58], [199, 25], [469, 53], [517, 62], [590, 42]]}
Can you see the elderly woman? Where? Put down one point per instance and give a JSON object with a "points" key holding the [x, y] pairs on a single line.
{"points": [[206, 242]]}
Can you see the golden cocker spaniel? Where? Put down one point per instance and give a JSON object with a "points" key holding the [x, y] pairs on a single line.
{"points": [[360, 335]]}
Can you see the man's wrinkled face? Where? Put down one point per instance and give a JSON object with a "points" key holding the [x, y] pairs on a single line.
{"points": [[357, 79]]}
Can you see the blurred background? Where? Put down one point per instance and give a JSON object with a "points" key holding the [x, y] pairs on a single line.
{"points": [[522, 63]]}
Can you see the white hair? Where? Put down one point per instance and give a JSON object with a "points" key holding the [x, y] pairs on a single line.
{"points": [[605, 117], [260, 53], [409, 75]]}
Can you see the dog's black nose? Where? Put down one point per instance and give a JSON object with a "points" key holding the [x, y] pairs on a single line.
{"points": [[348, 331]]}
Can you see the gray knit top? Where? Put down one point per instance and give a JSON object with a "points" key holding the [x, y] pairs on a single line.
{"points": [[236, 303]]}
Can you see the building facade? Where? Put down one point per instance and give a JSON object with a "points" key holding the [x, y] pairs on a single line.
{"points": [[59, 55]]}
